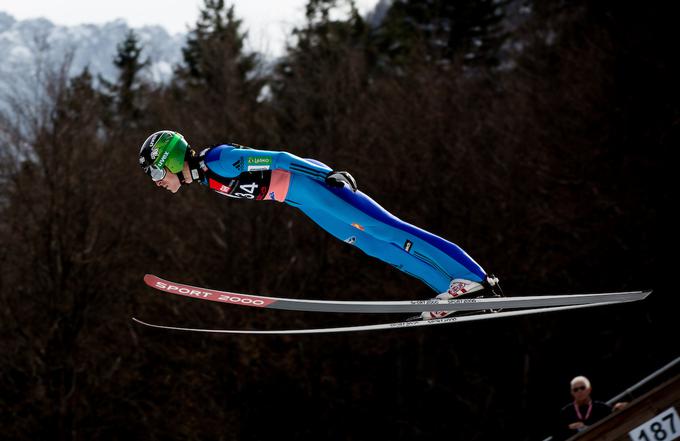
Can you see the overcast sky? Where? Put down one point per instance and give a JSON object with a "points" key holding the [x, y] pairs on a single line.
{"points": [[268, 21]]}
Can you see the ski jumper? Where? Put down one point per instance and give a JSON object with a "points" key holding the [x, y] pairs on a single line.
{"points": [[352, 217]]}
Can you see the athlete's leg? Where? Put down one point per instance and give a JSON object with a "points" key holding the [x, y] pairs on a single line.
{"points": [[387, 252], [365, 215]]}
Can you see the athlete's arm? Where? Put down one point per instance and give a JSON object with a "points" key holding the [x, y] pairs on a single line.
{"points": [[230, 161]]}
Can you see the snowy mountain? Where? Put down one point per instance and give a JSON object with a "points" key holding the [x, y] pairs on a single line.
{"points": [[375, 16], [24, 43]]}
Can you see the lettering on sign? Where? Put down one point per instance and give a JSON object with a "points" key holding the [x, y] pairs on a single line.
{"points": [[663, 427]]}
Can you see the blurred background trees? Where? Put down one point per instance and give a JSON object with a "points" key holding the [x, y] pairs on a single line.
{"points": [[534, 135]]}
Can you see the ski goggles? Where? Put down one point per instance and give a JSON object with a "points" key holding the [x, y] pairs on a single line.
{"points": [[157, 174]]}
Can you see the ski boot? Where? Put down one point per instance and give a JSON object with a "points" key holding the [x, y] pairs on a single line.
{"points": [[493, 289], [466, 288]]}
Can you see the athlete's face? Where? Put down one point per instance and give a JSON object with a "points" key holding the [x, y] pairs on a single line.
{"points": [[170, 182]]}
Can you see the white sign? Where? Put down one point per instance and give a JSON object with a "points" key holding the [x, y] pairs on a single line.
{"points": [[663, 427]]}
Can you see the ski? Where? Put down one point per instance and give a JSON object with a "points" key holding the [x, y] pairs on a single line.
{"points": [[466, 304], [396, 325]]}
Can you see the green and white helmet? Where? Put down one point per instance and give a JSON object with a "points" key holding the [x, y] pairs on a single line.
{"points": [[164, 149]]}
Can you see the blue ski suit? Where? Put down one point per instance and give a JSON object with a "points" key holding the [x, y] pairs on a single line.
{"points": [[353, 217]]}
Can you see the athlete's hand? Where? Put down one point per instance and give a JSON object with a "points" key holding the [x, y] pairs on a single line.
{"points": [[340, 178]]}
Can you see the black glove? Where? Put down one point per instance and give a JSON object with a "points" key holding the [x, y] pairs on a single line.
{"points": [[340, 178]]}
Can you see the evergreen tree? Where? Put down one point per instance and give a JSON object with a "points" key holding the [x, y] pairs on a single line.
{"points": [[322, 44], [322, 74], [218, 77], [128, 90], [323, 33], [215, 47], [129, 63], [440, 30], [323, 39]]}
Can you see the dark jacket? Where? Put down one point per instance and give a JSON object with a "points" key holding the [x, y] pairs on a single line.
{"points": [[569, 415]]}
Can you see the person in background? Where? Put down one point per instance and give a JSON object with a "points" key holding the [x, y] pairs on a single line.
{"points": [[582, 412]]}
